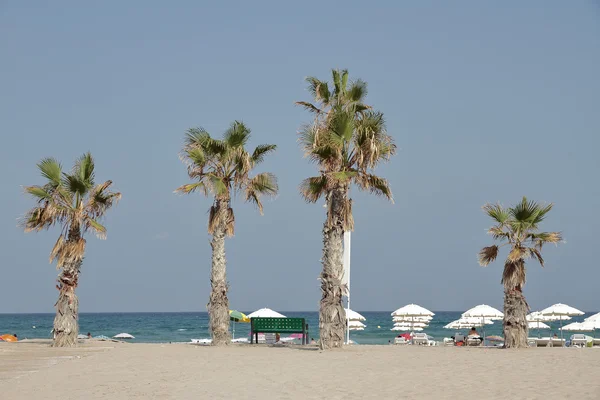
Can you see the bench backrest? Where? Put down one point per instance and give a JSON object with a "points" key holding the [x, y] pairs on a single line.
{"points": [[278, 325]]}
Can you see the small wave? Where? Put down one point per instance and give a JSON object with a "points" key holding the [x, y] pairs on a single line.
{"points": [[182, 329]]}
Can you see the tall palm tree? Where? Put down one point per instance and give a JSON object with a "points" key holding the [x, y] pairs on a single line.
{"points": [[73, 201], [347, 140], [220, 168], [517, 228]]}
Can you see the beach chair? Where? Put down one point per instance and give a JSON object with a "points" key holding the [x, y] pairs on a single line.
{"points": [[400, 340], [578, 340], [269, 338], [557, 342], [474, 341], [532, 342], [448, 341], [420, 339], [543, 342], [596, 342], [459, 339]]}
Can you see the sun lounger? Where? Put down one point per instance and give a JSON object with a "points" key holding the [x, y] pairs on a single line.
{"points": [[532, 342], [557, 342], [448, 341], [474, 340], [578, 340], [596, 342], [400, 340], [420, 339]]}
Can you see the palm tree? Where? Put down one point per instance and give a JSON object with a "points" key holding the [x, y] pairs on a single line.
{"points": [[221, 168], [517, 228], [347, 140], [73, 201]]}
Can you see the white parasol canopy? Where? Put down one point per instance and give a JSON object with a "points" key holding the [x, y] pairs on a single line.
{"points": [[412, 310], [416, 324], [406, 328], [595, 317], [123, 336], [356, 325], [352, 315], [537, 325], [412, 319], [467, 323], [483, 311], [538, 316], [265, 313], [561, 310], [585, 326]]}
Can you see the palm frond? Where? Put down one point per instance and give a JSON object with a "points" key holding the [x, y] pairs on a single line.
{"points": [[74, 184], [217, 186], [192, 187], [312, 189], [517, 253], [498, 233], [38, 192], [57, 248], [342, 127], [196, 137], [513, 275], [488, 255], [525, 212], [84, 169], [357, 91], [259, 153], [497, 212], [535, 253], [309, 107], [237, 135], [97, 227], [51, 170], [375, 185]]}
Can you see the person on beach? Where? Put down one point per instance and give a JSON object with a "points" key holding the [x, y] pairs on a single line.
{"points": [[313, 341], [473, 332], [89, 335]]}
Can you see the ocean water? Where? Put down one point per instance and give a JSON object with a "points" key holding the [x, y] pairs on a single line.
{"points": [[181, 327]]}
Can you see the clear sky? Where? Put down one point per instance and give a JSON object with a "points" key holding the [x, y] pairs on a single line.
{"points": [[487, 101]]}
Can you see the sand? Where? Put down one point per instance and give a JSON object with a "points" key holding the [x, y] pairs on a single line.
{"points": [[106, 370]]}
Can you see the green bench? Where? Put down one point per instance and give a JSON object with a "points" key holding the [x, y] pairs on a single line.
{"points": [[278, 325]]}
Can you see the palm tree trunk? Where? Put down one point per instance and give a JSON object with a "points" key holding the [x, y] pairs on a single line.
{"points": [[515, 325], [66, 327], [332, 316], [218, 304]]}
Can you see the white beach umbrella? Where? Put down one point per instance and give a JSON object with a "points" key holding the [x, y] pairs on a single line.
{"points": [[561, 310], [352, 315], [412, 310], [467, 323], [265, 313], [585, 326], [410, 319], [537, 325], [537, 316], [356, 325], [123, 336], [484, 312], [595, 317], [406, 328], [416, 324]]}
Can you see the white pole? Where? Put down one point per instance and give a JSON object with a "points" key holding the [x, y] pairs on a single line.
{"points": [[346, 258]]}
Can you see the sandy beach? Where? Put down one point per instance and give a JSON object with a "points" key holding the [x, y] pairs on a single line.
{"points": [[107, 370]]}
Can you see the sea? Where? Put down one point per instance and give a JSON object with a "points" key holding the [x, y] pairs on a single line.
{"points": [[184, 326]]}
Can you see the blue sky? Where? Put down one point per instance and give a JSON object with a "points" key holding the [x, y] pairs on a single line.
{"points": [[487, 101]]}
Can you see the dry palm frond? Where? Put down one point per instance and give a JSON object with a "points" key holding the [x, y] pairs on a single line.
{"points": [[517, 253], [213, 220], [488, 255], [70, 252], [229, 222], [535, 253], [513, 275]]}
